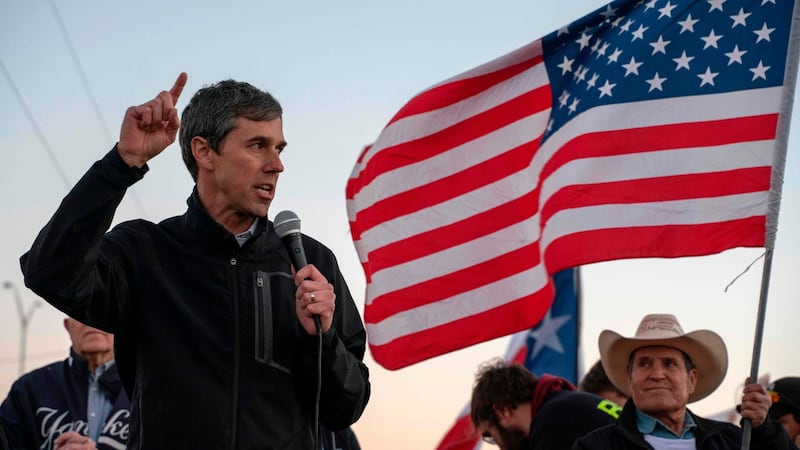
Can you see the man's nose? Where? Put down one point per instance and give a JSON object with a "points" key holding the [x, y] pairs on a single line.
{"points": [[274, 164], [657, 371]]}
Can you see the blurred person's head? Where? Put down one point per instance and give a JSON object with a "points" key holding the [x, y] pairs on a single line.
{"points": [[500, 404], [596, 382], [96, 346], [785, 409]]}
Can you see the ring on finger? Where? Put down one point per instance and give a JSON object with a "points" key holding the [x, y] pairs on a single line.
{"points": [[312, 297]]}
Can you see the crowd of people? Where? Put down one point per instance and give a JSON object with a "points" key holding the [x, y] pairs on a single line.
{"points": [[219, 341], [634, 397]]}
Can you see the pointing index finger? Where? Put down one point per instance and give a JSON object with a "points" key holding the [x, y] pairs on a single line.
{"points": [[177, 88]]}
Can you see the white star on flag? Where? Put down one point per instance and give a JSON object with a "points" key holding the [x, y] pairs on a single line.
{"points": [[546, 334]]}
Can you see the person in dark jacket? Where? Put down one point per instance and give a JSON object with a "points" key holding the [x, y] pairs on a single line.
{"points": [[78, 403], [4, 445], [785, 409], [515, 410], [663, 369], [215, 334]]}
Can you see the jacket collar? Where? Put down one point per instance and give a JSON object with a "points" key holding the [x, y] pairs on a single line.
{"points": [[109, 380], [627, 423], [546, 385], [198, 219]]}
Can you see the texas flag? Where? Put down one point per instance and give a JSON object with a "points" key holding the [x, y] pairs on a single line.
{"points": [[549, 347]]}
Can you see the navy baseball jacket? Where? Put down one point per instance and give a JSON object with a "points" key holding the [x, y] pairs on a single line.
{"points": [[52, 400]]}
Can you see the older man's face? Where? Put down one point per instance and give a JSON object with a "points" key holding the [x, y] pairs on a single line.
{"points": [[659, 382], [87, 340]]}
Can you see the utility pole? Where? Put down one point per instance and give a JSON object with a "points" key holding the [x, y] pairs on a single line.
{"points": [[24, 320]]}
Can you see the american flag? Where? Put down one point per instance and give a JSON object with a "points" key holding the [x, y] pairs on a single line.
{"points": [[644, 129]]}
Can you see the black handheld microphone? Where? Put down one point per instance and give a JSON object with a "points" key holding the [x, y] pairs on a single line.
{"points": [[287, 226]]}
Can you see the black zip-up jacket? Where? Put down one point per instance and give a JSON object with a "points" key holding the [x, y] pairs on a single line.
{"points": [[52, 400], [207, 338], [709, 435]]}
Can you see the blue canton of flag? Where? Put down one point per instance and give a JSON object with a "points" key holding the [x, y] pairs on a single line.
{"points": [[639, 50]]}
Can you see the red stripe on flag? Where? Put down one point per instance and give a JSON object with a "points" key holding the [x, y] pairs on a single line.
{"points": [[509, 318], [677, 187], [450, 93], [670, 241], [462, 436], [436, 289], [363, 153], [663, 137], [481, 224], [416, 150], [520, 356], [447, 188], [448, 236]]}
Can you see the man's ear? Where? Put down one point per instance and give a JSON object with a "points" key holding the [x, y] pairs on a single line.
{"points": [[692, 380], [202, 153], [503, 414]]}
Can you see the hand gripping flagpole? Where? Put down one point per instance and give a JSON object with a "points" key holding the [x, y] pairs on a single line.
{"points": [[774, 199]]}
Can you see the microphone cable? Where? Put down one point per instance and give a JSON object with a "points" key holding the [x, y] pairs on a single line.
{"points": [[318, 324]]}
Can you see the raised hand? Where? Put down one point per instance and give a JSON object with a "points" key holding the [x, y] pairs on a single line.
{"points": [[149, 128]]}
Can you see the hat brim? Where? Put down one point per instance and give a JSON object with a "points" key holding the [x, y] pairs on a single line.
{"points": [[705, 348], [780, 409]]}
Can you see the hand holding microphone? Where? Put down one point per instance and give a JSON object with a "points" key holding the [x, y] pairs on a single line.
{"points": [[315, 299]]}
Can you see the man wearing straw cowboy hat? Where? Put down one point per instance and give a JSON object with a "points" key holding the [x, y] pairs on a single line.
{"points": [[663, 369]]}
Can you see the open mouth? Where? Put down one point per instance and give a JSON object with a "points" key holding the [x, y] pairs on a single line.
{"points": [[265, 188]]}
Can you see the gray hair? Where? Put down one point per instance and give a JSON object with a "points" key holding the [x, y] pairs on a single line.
{"points": [[213, 110]]}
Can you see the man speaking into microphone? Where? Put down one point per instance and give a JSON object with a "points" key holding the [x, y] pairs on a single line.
{"points": [[216, 340]]}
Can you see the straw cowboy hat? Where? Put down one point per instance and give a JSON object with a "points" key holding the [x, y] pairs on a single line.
{"points": [[704, 347]]}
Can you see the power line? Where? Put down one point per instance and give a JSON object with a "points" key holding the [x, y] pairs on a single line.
{"points": [[89, 93], [82, 74], [35, 126]]}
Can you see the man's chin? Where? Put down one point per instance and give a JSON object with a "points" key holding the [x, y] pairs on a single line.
{"points": [[260, 211], [94, 349], [513, 439]]}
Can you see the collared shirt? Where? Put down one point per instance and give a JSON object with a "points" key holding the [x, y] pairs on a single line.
{"points": [[242, 237], [98, 404], [652, 426]]}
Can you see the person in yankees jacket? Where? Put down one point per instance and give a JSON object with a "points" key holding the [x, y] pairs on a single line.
{"points": [[78, 403], [215, 335]]}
